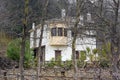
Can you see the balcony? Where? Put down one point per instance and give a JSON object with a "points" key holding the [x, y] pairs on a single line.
{"points": [[58, 41], [58, 34]]}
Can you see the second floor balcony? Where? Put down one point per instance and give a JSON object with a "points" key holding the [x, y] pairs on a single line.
{"points": [[58, 36]]}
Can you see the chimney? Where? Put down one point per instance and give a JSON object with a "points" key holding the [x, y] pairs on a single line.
{"points": [[89, 17], [33, 26], [63, 13], [81, 19]]}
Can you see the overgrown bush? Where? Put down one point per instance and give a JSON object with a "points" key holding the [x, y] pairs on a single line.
{"points": [[68, 64], [104, 64], [82, 56], [80, 64], [51, 64], [14, 49]]}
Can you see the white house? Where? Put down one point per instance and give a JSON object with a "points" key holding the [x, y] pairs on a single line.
{"points": [[57, 38]]}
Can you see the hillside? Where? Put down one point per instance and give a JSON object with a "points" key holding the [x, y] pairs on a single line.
{"points": [[13, 13]]}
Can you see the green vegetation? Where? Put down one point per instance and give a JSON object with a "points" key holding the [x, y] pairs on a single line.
{"points": [[53, 63], [82, 56], [14, 47], [13, 52], [104, 55]]}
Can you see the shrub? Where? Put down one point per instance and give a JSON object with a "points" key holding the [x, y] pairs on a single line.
{"points": [[68, 64], [104, 64], [14, 49], [54, 63], [80, 63], [82, 56], [51, 64]]}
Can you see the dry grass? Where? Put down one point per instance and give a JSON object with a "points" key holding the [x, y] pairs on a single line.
{"points": [[4, 41]]}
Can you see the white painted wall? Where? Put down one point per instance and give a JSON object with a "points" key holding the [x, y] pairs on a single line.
{"points": [[66, 51], [31, 39]]}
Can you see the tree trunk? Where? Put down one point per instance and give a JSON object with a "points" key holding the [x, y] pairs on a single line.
{"points": [[115, 41], [40, 40], [22, 58], [75, 29], [21, 62]]}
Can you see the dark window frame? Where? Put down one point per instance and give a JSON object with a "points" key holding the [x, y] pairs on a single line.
{"points": [[65, 32], [77, 54], [58, 55], [60, 31], [72, 33], [54, 31]]}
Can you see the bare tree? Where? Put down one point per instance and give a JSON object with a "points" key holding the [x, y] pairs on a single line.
{"points": [[21, 62], [75, 29], [115, 39], [109, 25], [40, 38]]}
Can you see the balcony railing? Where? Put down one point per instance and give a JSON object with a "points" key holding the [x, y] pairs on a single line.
{"points": [[58, 40]]}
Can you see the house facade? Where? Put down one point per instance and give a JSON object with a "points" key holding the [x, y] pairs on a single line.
{"points": [[57, 40]]}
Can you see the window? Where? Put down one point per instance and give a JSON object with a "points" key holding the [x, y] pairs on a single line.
{"points": [[35, 52], [57, 55], [72, 33], [42, 56], [77, 54], [53, 31], [65, 32], [60, 31]]}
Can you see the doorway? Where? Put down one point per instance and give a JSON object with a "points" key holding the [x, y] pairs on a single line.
{"points": [[57, 55]]}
